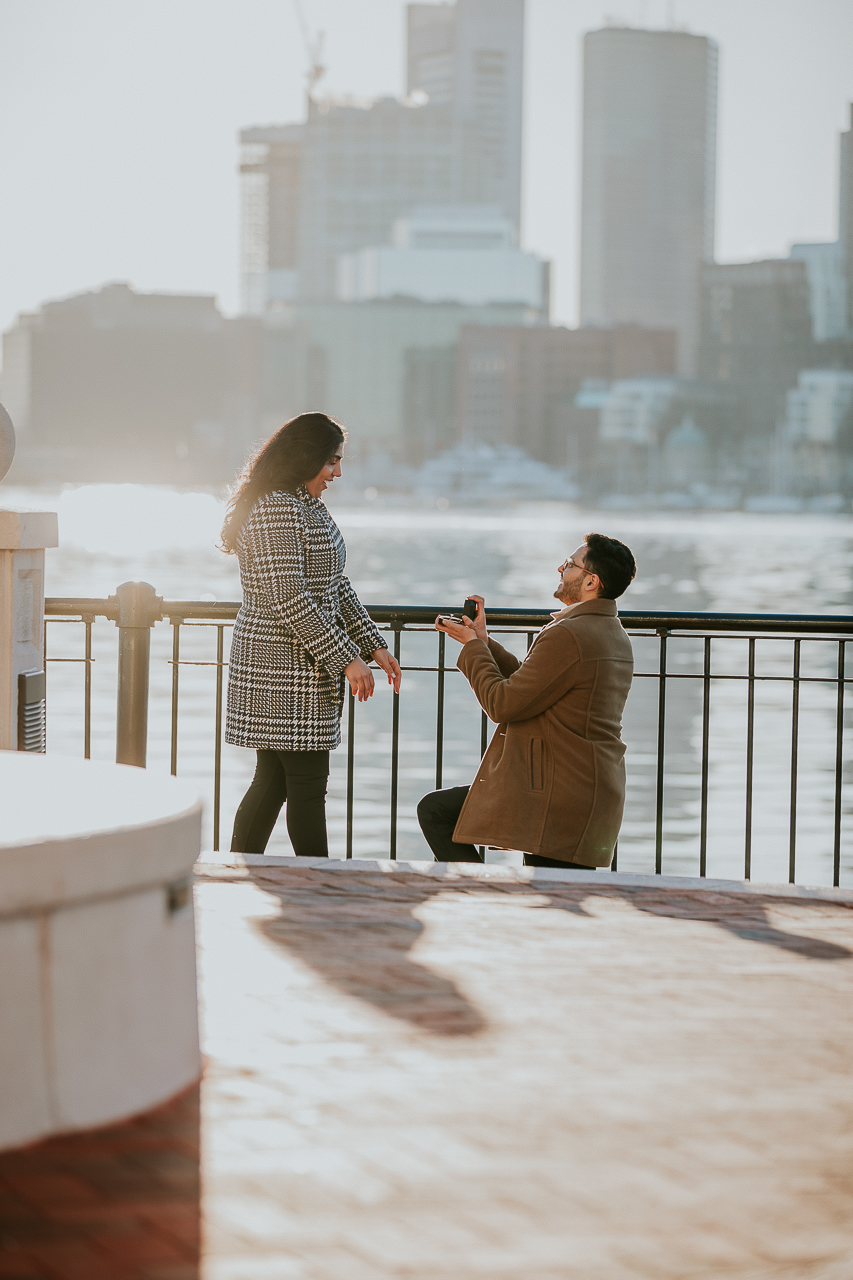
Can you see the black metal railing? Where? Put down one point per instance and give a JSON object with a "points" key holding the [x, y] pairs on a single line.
{"points": [[674, 651]]}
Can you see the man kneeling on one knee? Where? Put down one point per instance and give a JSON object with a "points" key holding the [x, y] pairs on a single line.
{"points": [[552, 782]]}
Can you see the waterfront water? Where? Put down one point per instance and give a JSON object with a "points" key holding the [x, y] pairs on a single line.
{"points": [[421, 555]]}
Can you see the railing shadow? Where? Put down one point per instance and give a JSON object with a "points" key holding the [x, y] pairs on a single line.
{"points": [[357, 930], [744, 916]]}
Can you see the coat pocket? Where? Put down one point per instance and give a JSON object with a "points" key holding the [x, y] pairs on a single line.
{"points": [[537, 764]]}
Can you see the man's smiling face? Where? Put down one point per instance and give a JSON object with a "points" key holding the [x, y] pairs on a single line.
{"points": [[572, 578]]}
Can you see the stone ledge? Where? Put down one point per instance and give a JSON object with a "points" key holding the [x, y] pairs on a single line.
{"points": [[241, 865], [107, 831], [22, 530], [98, 1008]]}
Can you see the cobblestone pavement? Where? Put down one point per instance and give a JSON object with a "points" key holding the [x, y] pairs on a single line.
{"points": [[488, 1074]]}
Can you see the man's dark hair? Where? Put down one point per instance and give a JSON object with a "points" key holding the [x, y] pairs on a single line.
{"points": [[612, 561]]}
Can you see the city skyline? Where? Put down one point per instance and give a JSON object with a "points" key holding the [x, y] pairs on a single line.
{"points": [[70, 227]]}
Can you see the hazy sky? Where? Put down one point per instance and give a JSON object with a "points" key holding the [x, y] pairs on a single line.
{"points": [[119, 120]]}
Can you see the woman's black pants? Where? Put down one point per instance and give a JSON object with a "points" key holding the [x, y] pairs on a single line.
{"points": [[300, 778], [438, 814]]}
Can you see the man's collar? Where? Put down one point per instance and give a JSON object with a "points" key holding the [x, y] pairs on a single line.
{"points": [[598, 605]]}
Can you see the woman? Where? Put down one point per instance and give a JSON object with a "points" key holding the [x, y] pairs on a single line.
{"points": [[301, 629]]}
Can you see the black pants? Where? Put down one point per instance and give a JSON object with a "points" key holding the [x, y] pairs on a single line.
{"points": [[300, 778], [438, 814]]}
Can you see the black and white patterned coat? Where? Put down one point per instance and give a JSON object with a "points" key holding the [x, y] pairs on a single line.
{"points": [[299, 626]]}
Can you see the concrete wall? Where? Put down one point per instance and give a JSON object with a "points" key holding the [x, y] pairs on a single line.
{"points": [[98, 1013]]}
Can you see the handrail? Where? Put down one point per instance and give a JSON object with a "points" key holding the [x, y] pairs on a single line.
{"points": [[136, 608], [84, 606], [399, 616], [654, 620]]}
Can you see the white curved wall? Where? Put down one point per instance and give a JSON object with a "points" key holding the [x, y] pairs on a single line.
{"points": [[98, 1014]]}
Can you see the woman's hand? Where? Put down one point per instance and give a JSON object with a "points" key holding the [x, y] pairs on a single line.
{"points": [[389, 664], [360, 679]]}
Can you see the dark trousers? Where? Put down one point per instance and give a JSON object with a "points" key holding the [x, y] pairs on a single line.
{"points": [[438, 814], [300, 778]]}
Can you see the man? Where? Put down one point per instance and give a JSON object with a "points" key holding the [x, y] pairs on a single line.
{"points": [[552, 782]]}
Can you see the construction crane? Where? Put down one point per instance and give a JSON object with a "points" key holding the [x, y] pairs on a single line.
{"points": [[314, 49]]}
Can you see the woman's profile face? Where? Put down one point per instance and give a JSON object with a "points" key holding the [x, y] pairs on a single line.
{"points": [[327, 473]]}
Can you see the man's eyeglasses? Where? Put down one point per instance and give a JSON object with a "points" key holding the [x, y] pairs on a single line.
{"points": [[564, 566]]}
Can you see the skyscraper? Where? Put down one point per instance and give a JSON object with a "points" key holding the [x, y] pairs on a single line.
{"points": [[649, 155], [470, 56], [756, 337], [339, 181], [270, 169], [363, 167], [827, 287], [845, 214]]}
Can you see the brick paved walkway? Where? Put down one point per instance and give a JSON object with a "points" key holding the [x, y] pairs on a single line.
{"points": [[484, 1074], [119, 1203]]}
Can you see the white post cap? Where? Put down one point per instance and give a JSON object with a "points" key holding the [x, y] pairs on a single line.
{"points": [[25, 530]]}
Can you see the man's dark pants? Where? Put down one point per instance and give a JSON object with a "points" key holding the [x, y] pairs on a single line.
{"points": [[438, 814]]}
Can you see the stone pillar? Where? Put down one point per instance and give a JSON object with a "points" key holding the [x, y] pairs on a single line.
{"points": [[98, 1005], [23, 538]]}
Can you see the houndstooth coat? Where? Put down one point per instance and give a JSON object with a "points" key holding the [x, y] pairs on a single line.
{"points": [[299, 626]]}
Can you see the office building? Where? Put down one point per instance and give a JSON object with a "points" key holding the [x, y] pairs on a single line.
{"points": [[827, 287], [470, 57], [366, 351], [756, 337], [117, 385], [429, 401], [517, 386], [845, 214], [635, 409], [270, 165], [818, 432], [337, 182], [829, 266], [652, 435], [649, 155], [363, 168], [455, 253], [820, 406]]}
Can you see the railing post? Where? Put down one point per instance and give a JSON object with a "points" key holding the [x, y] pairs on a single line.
{"points": [[138, 608], [23, 537]]}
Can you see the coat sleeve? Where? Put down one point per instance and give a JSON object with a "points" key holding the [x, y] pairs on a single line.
{"points": [[360, 626], [275, 544], [507, 662], [547, 674]]}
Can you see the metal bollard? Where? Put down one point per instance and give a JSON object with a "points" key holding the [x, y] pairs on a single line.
{"points": [[137, 607]]}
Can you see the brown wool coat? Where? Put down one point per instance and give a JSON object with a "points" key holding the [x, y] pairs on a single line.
{"points": [[552, 781]]}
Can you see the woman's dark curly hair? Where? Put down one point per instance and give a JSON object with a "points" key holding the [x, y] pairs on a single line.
{"points": [[297, 452]]}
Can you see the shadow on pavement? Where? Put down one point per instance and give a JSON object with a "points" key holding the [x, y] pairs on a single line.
{"points": [[358, 935], [358, 930]]}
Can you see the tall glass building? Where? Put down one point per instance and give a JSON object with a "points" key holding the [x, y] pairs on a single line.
{"points": [[649, 155]]}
